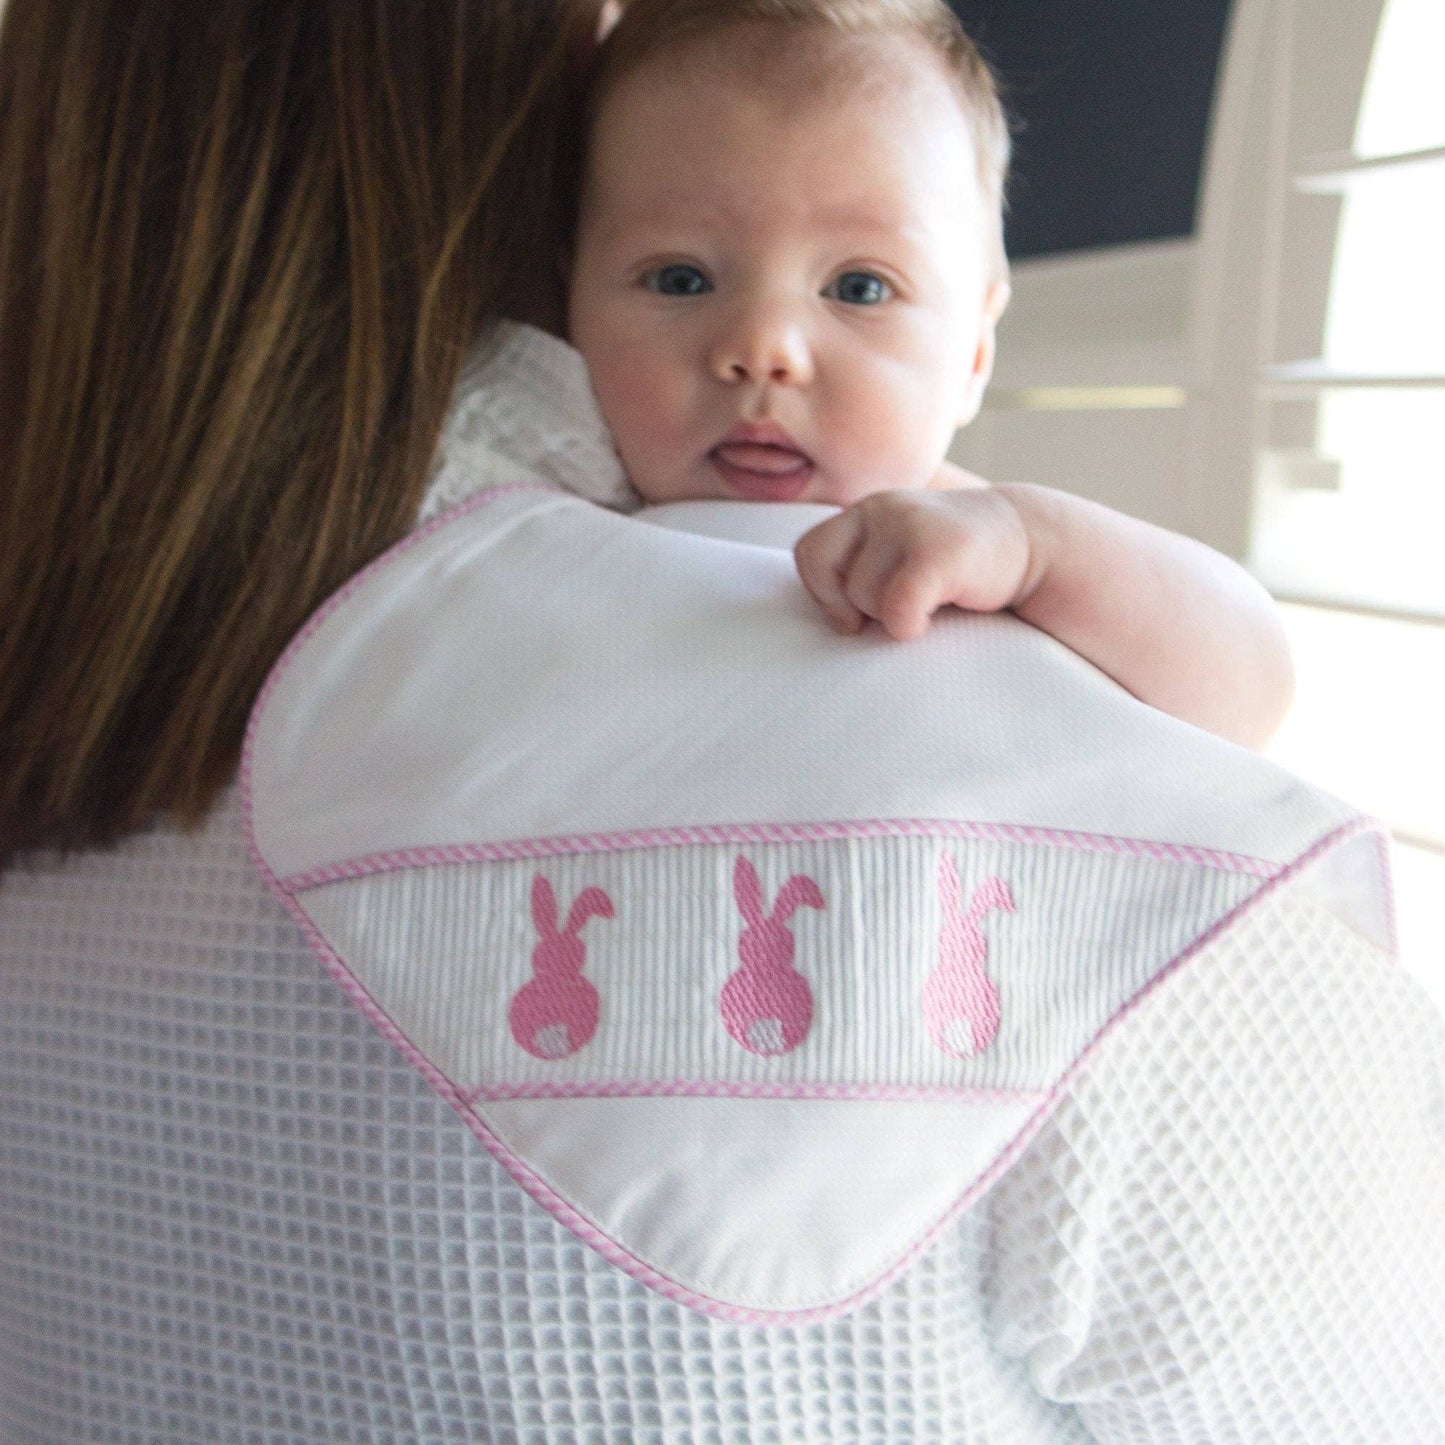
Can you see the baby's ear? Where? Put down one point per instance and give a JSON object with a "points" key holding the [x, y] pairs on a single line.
{"points": [[995, 299]]}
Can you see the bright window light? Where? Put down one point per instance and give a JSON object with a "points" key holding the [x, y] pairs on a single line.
{"points": [[1404, 104], [1387, 300]]}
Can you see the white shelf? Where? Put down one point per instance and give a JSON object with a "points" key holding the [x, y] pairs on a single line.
{"points": [[1332, 601], [1087, 398], [1308, 377], [1334, 175]]}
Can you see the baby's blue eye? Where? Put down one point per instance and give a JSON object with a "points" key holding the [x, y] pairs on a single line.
{"points": [[677, 280], [859, 288]]}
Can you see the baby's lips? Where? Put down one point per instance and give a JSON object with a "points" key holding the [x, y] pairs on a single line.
{"points": [[764, 457]]}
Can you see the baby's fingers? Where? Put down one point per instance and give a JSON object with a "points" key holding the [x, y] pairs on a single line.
{"points": [[862, 564], [882, 579], [823, 556], [904, 595]]}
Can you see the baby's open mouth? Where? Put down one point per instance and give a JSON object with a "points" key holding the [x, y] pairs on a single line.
{"points": [[762, 471]]}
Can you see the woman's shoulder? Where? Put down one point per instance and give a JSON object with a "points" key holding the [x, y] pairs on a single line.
{"points": [[105, 949], [166, 875]]}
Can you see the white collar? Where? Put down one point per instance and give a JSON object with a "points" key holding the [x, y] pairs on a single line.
{"points": [[524, 404]]}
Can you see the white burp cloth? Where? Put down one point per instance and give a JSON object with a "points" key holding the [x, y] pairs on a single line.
{"points": [[755, 953]]}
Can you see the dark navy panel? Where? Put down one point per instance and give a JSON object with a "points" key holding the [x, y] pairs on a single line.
{"points": [[1112, 100]]}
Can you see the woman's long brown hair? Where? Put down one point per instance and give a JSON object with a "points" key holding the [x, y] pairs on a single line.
{"points": [[244, 247]]}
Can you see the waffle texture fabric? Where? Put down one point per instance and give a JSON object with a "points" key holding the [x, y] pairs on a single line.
{"points": [[229, 1211]]}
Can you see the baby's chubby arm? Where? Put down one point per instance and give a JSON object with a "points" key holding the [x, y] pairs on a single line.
{"points": [[1177, 624]]}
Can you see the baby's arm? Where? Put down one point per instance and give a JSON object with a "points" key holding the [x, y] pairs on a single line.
{"points": [[1179, 625]]}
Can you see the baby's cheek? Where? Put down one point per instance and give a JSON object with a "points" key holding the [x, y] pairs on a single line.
{"points": [[923, 429], [623, 392], [653, 430], [893, 452], [883, 418]]}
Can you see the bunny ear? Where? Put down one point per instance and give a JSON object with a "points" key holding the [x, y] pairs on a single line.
{"points": [[992, 893], [591, 903], [544, 907], [950, 886], [797, 891], [748, 891]]}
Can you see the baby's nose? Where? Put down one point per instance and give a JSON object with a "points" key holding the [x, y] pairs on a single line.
{"points": [[765, 344]]}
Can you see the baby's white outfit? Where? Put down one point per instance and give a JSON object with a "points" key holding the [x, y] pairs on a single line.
{"points": [[231, 1209]]}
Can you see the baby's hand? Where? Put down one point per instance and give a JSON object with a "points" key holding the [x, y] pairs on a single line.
{"points": [[900, 556]]}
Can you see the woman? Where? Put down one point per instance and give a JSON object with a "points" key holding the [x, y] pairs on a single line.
{"points": [[244, 250]]}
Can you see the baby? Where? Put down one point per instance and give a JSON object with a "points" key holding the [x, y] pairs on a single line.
{"points": [[787, 273]]}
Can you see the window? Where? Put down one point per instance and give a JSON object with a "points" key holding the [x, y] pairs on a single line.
{"points": [[1349, 501], [1350, 504]]}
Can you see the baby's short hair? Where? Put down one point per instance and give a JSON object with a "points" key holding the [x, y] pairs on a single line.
{"points": [[649, 26]]}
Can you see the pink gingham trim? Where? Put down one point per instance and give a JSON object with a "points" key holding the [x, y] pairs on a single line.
{"points": [[707, 1089], [402, 859]]}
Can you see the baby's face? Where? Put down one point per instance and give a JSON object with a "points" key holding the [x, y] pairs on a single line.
{"points": [[784, 291]]}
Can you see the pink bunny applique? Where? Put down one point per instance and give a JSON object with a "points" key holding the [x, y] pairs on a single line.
{"points": [[960, 1001], [555, 1013], [767, 1005]]}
